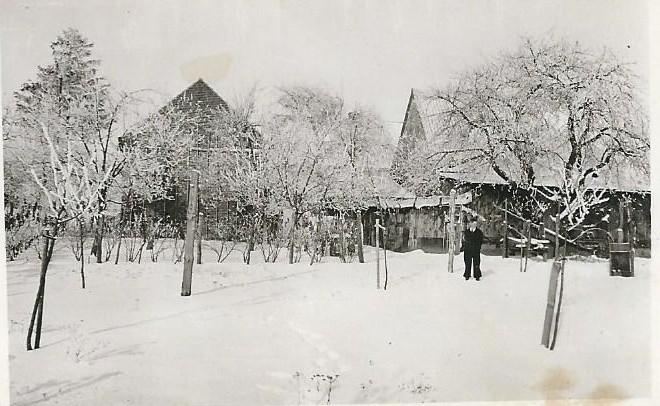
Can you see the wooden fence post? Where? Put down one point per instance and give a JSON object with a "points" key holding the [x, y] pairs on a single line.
{"points": [[451, 231], [528, 243], [542, 233], [557, 227], [458, 240], [191, 217], [505, 241], [377, 227], [551, 312], [360, 232], [200, 225]]}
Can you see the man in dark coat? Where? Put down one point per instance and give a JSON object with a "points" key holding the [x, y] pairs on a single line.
{"points": [[472, 239]]}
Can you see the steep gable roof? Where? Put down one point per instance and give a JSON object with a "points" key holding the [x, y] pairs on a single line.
{"points": [[199, 102], [198, 95], [429, 109]]}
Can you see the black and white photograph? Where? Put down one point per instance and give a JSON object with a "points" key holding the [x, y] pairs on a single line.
{"points": [[351, 202]]}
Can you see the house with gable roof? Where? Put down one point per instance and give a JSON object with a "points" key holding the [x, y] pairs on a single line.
{"points": [[203, 104], [623, 182]]}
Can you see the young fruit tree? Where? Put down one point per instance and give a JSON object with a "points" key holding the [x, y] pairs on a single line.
{"points": [[300, 156], [558, 123], [359, 145], [72, 194]]}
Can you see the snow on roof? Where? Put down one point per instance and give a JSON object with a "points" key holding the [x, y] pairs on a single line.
{"points": [[624, 177], [397, 203], [425, 201], [430, 201], [385, 187]]}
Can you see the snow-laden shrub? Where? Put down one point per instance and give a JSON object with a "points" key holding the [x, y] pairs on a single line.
{"points": [[22, 229], [158, 232], [225, 232], [112, 234], [21, 237], [272, 238]]}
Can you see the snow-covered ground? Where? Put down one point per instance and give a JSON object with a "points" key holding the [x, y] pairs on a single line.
{"points": [[290, 334]]}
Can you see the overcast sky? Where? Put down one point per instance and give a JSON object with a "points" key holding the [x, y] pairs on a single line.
{"points": [[370, 52]]}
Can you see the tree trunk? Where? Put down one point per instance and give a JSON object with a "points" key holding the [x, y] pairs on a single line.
{"points": [[190, 235], [82, 252], [118, 248], [144, 242], [360, 231], [248, 253], [98, 239], [292, 235], [317, 241], [37, 311], [40, 292]]}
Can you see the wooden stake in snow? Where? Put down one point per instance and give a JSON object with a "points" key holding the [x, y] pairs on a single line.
{"points": [[342, 237], [528, 243], [551, 318], [200, 225], [522, 250], [561, 295], [377, 226], [360, 231], [542, 234], [450, 231], [505, 240], [191, 217], [557, 225]]}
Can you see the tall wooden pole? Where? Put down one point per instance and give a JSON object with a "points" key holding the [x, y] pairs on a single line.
{"points": [[450, 231], [191, 217]]}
